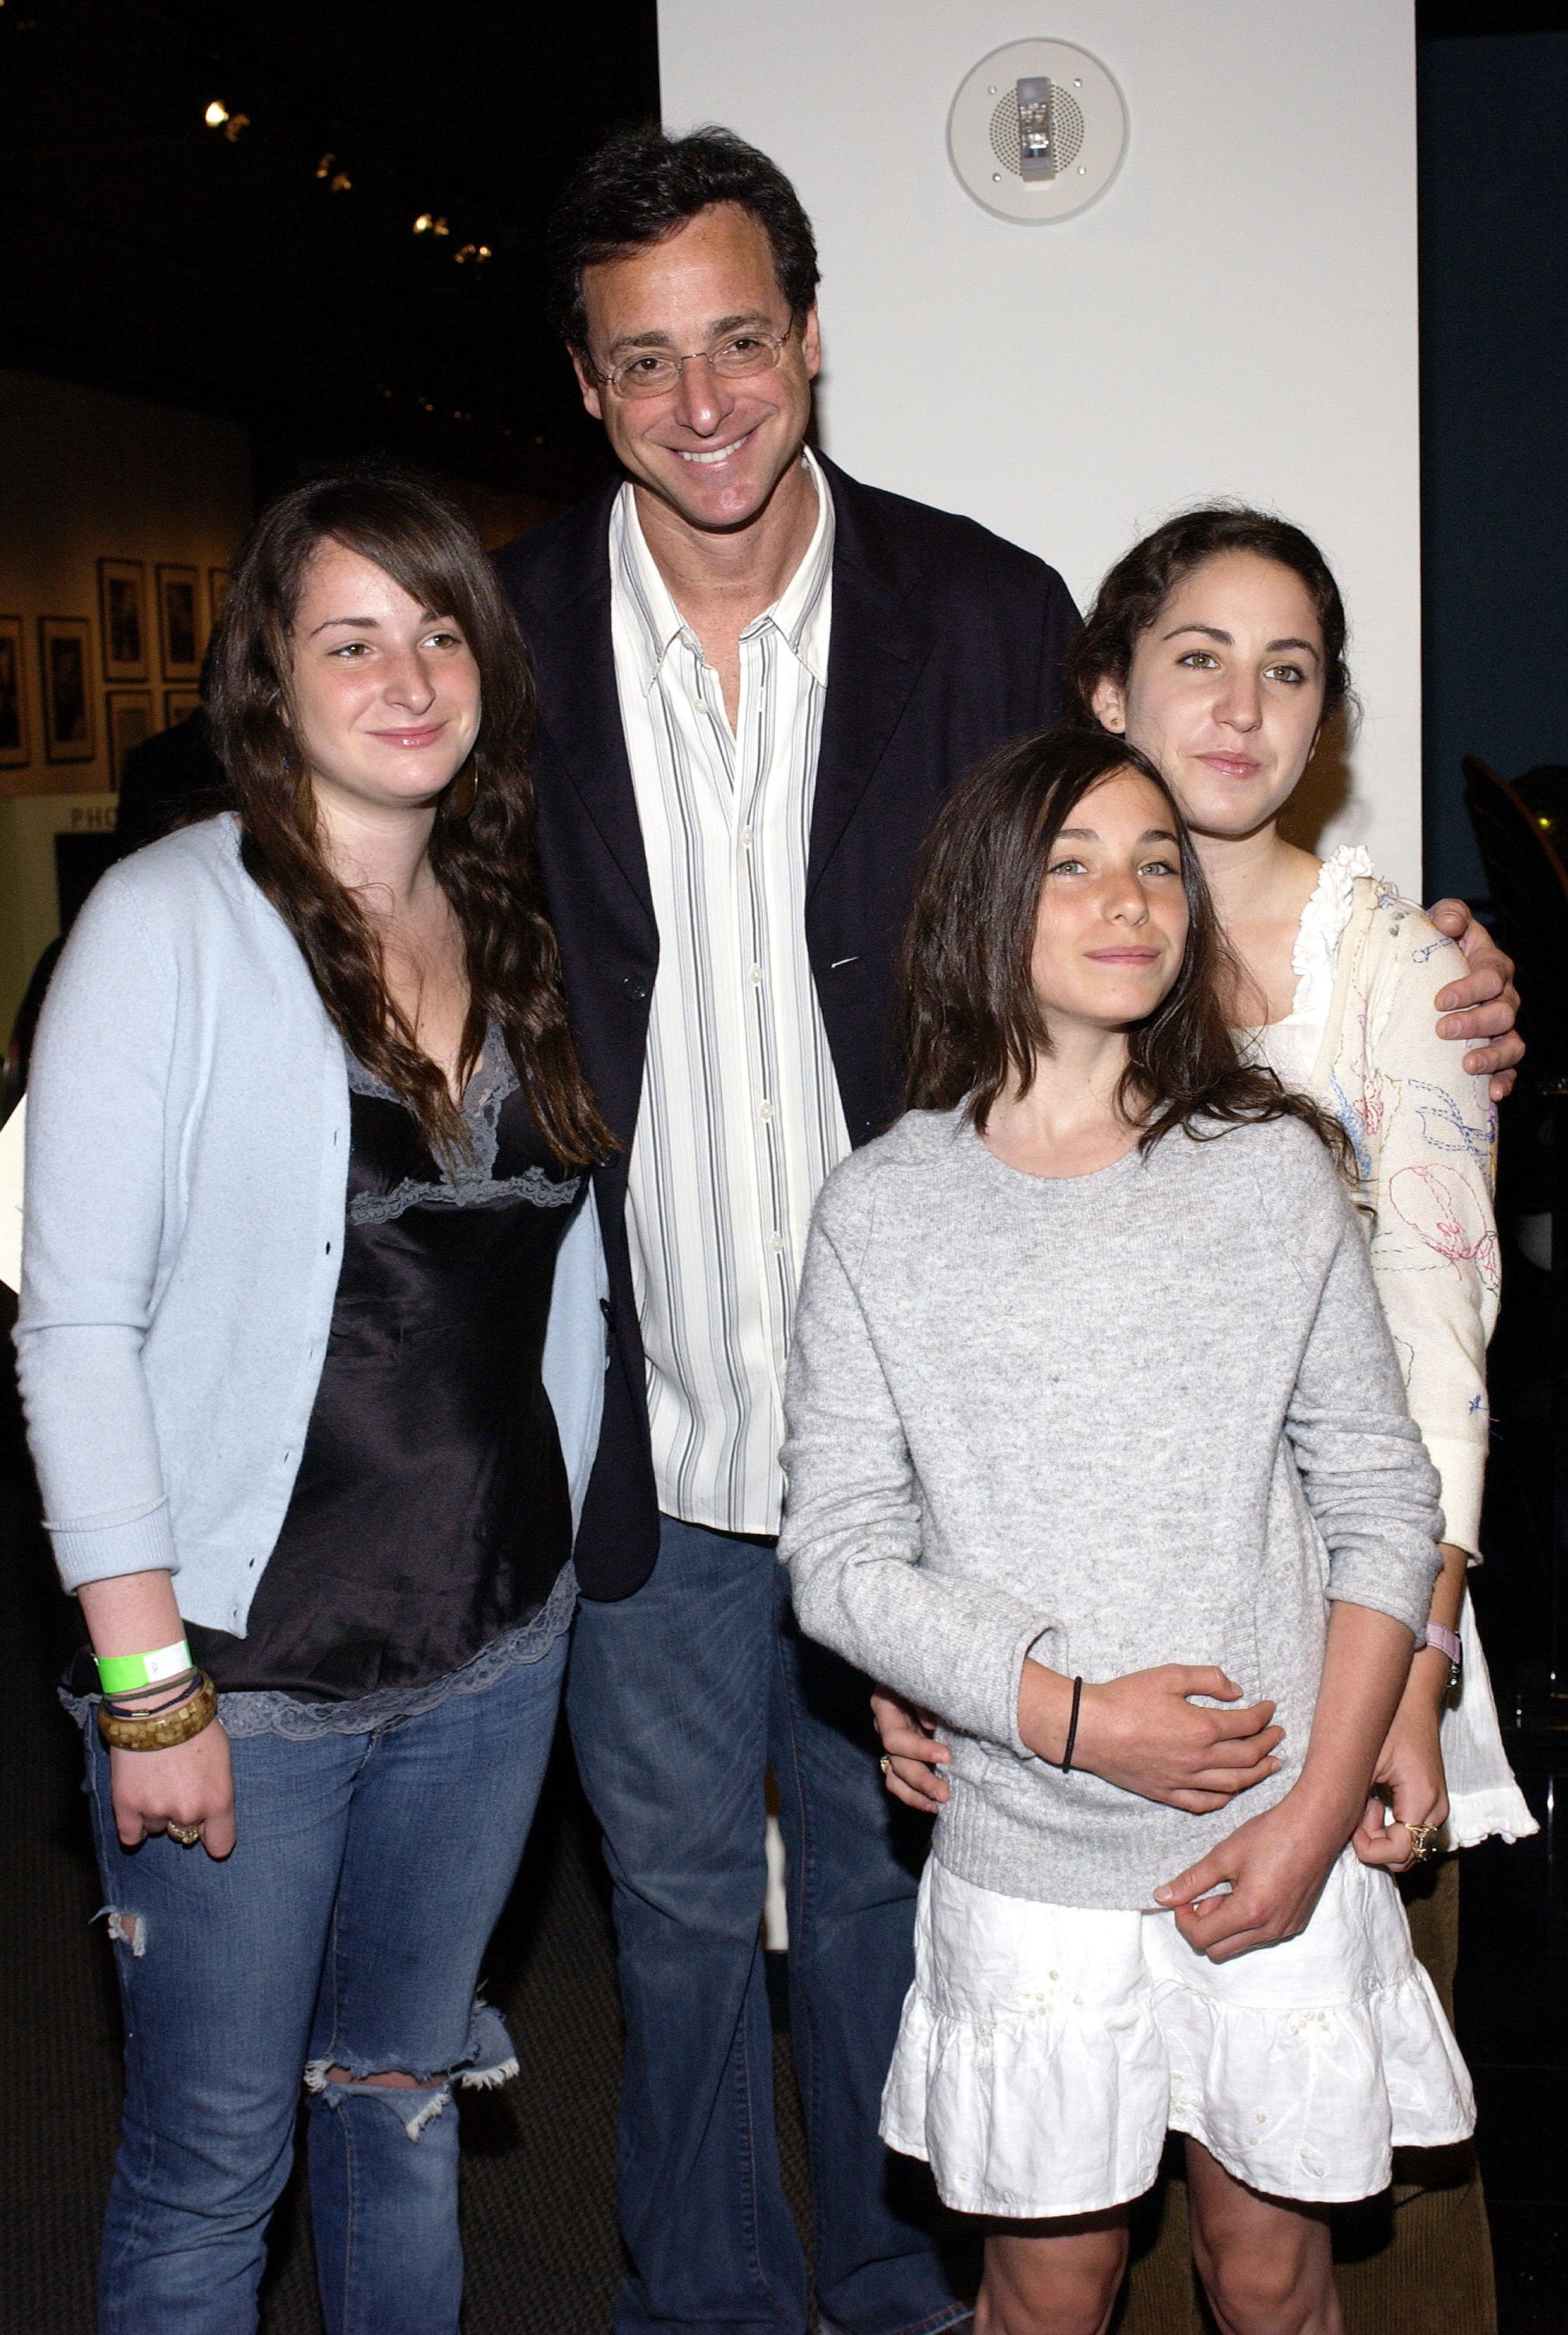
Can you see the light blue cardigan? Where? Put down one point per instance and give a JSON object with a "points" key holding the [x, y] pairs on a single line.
{"points": [[187, 1138]]}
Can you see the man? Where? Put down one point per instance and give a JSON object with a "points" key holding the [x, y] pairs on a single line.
{"points": [[757, 681]]}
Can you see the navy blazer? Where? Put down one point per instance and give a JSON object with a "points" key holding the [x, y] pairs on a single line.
{"points": [[945, 643]]}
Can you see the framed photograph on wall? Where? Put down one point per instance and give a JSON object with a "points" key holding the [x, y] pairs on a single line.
{"points": [[180, 704], [15, 744], [64, 656], [122, 618], [180, 623], [129, 720], [217, 593]]}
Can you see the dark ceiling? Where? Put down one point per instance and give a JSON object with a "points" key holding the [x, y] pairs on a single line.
{"points": [[270, 272]]}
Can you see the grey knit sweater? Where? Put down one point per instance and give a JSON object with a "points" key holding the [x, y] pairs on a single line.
{"points": [[1151, 1415]]}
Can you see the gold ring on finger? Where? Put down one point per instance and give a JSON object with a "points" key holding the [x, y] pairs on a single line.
{"points": [[1422, 1836], [885, 1762], [186, 1834]]}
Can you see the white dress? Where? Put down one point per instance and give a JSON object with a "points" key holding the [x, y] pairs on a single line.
{"points": [[1045, 2050]]}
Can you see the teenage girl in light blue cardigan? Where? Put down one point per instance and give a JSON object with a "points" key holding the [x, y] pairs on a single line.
{"points": [[312, 1353]]}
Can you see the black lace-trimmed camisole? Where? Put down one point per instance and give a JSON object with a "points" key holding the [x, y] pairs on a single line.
{"points": [[431, 1515]]}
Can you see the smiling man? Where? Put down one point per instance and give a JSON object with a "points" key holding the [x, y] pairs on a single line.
{"points": [[758, 680]]}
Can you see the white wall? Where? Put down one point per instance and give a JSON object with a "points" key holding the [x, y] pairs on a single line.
{"points": [[1236, 315]]}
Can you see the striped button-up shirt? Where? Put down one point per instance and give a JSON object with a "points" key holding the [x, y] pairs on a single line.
{"points": [[740, 1118]]}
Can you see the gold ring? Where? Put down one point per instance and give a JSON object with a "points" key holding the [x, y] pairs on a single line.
{"points": [[1422, 1836], [885, 1762], [186, 1834]]}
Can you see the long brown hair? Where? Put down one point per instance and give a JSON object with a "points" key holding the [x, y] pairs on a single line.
{"points": [[972, 1024], [481, 846]]}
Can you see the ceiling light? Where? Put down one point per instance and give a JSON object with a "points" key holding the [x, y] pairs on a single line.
{"points": [[216, 115]]}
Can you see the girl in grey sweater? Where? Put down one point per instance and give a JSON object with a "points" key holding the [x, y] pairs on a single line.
{"points": [[1096, 1436]]}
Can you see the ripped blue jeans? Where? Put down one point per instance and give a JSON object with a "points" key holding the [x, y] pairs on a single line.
{"points": [[344, 1931]]}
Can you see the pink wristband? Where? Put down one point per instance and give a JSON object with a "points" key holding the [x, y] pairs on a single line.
{"points": [[1447, 1643]]}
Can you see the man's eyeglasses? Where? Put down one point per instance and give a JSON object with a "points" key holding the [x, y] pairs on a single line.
{"points": [[653, 374]]}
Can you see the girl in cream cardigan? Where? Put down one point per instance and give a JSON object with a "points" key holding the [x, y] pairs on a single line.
{"points": [[1217, 644]]}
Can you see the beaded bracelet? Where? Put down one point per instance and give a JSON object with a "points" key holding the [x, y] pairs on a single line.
{"points": [[120, 1706], [123, 1733]]}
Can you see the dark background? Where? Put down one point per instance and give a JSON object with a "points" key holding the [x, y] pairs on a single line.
{"points": [[1493, 124], [142, 251]]}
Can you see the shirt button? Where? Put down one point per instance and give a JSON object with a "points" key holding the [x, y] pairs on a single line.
{"points": [[776, 1243], [746, 837], [764, 1111], [754, 975], [635, 987]]}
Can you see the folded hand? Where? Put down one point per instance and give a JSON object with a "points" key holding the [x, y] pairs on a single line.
{"points": [[1270, 1873], [1142, 1733]]}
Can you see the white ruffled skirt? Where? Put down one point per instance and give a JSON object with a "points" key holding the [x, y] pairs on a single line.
{"points": [[1045, 2050]]}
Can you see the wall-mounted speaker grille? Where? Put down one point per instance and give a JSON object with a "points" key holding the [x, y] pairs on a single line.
{"points": [[1035, 130], [1066, 129]]}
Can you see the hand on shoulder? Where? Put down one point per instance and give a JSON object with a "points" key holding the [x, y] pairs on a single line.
{"points": [[1481, 1006]]}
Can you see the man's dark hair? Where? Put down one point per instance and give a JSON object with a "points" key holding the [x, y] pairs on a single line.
{"points": [[641, 186], [973, 1026]]}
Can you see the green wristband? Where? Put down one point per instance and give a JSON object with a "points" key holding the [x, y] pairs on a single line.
{"points": [[127, 1673]]}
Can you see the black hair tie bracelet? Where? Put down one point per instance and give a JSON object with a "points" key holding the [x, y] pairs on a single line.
{"points": [[1072, 1727]]}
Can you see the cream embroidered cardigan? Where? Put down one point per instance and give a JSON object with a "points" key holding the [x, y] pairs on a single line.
{"points": [[1362, 1039]]}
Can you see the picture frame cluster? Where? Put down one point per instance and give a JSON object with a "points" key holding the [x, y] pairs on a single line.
{"points": [[149, 652]]}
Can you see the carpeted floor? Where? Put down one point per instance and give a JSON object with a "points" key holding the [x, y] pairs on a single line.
{"points": [[538, 2202]]}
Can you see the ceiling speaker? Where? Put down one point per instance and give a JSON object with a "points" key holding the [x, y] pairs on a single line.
{"points": [[1037, 130]]}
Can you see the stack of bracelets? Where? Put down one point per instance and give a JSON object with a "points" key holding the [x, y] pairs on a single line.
{"points": [[188, 1704]]}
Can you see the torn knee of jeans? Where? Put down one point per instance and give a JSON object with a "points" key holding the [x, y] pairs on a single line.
{"points": [[125, 1929], [423, 2093], [414, 2102], [491, 2057]]}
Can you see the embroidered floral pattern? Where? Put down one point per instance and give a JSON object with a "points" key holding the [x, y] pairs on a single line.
{"points": [[1426, 1200], [1395, 1123]]}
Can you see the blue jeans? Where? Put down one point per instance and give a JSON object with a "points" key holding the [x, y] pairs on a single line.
{"points": [[678, 1698], [345, 1931]]}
